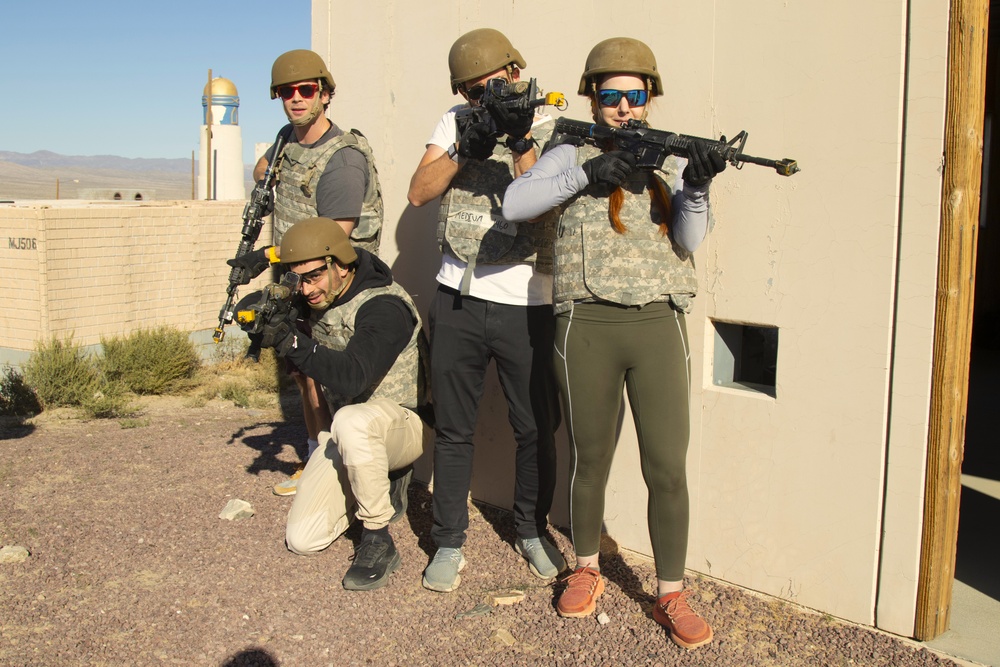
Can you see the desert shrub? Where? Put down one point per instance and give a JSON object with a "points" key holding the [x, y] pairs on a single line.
{"points": [[235, 378], [151, 361], [154, 361], [235, 391], [16, 397], [265, 375], [61, 373], [108, 400], [232, 348]]}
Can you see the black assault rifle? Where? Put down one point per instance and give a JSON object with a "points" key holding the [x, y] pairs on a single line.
{"points": [[255, 311], [258, 206], [512, 95], [651, 147]]}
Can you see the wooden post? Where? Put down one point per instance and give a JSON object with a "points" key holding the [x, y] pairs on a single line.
{"points": [[208, 141], [953, 319]]}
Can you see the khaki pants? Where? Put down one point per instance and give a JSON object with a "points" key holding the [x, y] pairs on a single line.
{"points": [[351, 466]]}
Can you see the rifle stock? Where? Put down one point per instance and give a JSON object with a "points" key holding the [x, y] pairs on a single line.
{"points": [[256, 209], [651, 147]]}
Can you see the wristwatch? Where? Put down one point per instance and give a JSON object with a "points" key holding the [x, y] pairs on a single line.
{"points": [[522, 145]]}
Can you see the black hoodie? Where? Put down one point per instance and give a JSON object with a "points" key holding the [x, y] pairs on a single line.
{"points": [[383, 327]]}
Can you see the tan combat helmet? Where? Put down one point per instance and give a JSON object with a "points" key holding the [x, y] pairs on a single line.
{"points": [[479, 52], [299, 65], [622, 55], [316, 238]]}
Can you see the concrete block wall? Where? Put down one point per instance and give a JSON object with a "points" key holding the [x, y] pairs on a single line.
{"points": [[92, 269]]}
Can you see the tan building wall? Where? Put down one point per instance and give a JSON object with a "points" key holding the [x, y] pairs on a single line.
{"points": [[94, 270], [815, 494]]}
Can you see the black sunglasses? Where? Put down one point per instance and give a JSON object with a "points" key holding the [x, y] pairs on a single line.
{"points": [[498, 86]]}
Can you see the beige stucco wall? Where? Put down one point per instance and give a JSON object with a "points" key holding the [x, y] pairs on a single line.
{"points": [[106, 269], [814, 495]]}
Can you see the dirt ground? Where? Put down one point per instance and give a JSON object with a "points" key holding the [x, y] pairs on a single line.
{"points": [[131, 565]]}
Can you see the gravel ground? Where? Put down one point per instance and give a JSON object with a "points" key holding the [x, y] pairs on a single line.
{"points": [[131, 565]]}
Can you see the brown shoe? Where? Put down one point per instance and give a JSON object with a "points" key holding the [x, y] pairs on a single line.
{"points": [[290, 485], [686, 627], [583, 587]]}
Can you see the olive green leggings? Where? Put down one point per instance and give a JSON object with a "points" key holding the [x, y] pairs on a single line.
{"points": [[599, 349]]}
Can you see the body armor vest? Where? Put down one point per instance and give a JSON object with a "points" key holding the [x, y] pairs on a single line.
{"points": [[471, 227], [298, 177], [593, 261], [406, 381]]}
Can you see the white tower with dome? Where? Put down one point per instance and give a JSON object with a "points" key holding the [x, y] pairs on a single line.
{"points": [[220, 161]]}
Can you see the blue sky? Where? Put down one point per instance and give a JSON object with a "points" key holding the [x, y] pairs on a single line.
{"points": [[116, 77]]}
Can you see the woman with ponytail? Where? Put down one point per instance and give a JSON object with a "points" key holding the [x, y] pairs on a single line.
{"points": [[623, 280]]}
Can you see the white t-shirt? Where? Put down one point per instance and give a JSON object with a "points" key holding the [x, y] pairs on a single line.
{"points": [[512, 284]]}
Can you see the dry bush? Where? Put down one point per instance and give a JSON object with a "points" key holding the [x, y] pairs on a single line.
{"points": [[156, 361], [16, 397], [61, 373], [235, 378], [152, 361], [109, 400]]}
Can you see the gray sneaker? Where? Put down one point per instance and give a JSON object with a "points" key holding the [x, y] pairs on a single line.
{"points": [[442, 573], [544, 560]]}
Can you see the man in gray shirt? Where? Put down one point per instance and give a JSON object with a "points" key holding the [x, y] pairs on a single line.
{"points": [[322, 172]]}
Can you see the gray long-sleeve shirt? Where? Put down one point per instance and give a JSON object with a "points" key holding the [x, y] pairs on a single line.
{"points": [[556, 177]]}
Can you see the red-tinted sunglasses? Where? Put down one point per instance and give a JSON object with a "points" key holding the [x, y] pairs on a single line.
{"points": [[306, 90]]}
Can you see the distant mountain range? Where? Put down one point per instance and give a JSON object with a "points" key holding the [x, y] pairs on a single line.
{"points": [[48, 160], [48, 175]]}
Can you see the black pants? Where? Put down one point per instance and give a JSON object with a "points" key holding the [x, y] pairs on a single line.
{"points": [[466, 333]]}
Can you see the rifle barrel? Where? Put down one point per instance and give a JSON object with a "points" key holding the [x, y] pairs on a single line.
{"points": [[785, 167]]}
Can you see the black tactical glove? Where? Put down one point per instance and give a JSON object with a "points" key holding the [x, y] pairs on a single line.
{"points": [[703, 164], [513, 122], [267, 320], [279, 333], [279, 330], [612, 168], [476, 142], [253, 264]]}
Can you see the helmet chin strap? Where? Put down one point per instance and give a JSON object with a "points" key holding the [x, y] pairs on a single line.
{"points": [[331, 296], [314, 112]]}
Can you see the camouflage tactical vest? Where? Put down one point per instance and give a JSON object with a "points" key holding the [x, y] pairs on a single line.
{"points": [[298, 177], [406, 381], [471, 227], [631, 269]]}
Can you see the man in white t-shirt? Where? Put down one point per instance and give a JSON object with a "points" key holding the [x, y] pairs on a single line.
{"points": [[493, 302]]}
